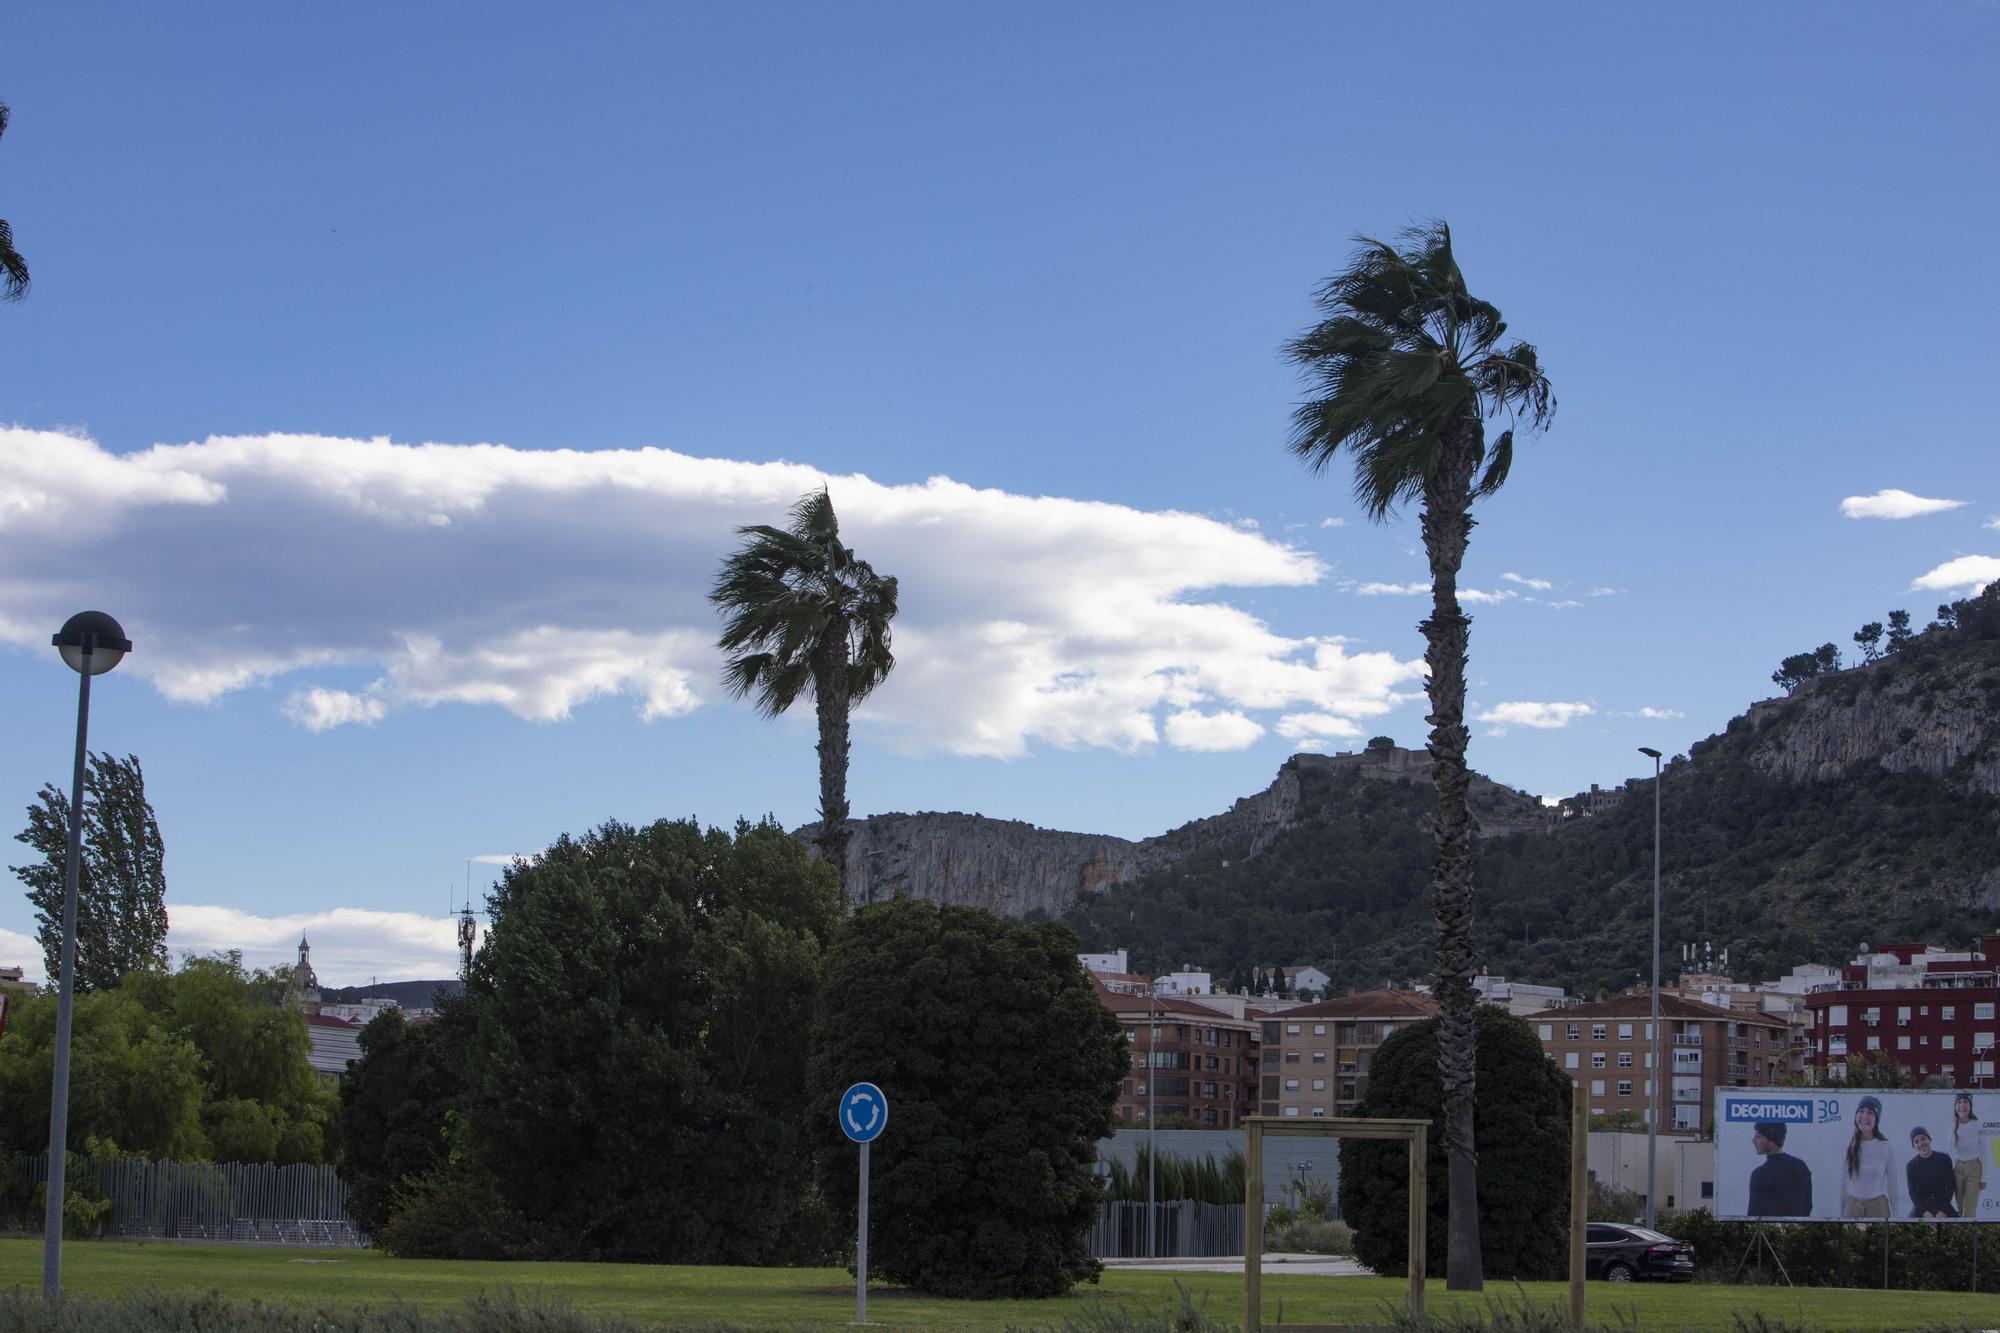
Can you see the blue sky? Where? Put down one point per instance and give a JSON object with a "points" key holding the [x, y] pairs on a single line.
{"points": [[1045, 252]]}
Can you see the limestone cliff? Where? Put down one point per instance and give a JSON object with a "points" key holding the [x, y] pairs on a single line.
{"points": [[1015, 868], [1935, 713]]}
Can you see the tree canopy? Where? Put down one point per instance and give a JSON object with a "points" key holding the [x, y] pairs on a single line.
{"points": [[639, 1022], [1001, 1068]]}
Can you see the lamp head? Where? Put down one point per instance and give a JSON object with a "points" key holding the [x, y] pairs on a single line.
{"points": [[93, 637], [1649, 752]]}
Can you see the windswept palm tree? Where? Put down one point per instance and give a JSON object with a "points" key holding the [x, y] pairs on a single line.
{"points": [[13, 268], [801, 611], [1405, 368]]}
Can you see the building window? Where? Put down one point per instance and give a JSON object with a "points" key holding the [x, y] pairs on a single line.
{"points": [[1548, 1032], [1319, 1085], [1874, 1043], [1948, 1041], [1291, 1110], [1319, 1029], [1597, 1087], [1624, 1059], [1836, 1015], [1319, 1057], [1982, 1011], [1597, 1032], [1624, 1032], [1291, 1085], [1624, 1087], [1319, 1112], [1902, 1013], [1902, 1043], [1131, 1034], [1291, 1029], [1291, 1057], [1597, 1059], [1569, 1060], [1575, 1030], [1948, 1012]]}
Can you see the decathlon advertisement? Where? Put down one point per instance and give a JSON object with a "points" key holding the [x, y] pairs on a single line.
{"points": [[1839, 1155]]}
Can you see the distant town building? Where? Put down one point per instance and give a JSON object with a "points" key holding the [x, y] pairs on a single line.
{"points": [[1187, 981], [1114, 961], [1305, 977], [1314, 1058], [1518, 997], [335, 1042], [1606, 1045], [1928, 1009], [362, 1011], [14, 979], [305, 985]]}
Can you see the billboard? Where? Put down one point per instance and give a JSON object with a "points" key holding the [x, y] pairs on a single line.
{"points": [[1857, 1155]]}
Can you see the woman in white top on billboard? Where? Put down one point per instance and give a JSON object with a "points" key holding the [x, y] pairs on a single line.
{"points": [[1968, 1151], [1870, 1187]]}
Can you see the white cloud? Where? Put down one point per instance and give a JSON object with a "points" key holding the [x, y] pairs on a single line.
{"points": [[25, 952], [1993, 522], [1528, 714], [1564, 605], [536, 581], [1315, 731], [1971, 572], [349, 945], [1893, 503], [1333, 522], [1602, 592], [1392, 589], [1476, 595], [1191, 729], [1660, 714], [501, 858], [1539, 585]]}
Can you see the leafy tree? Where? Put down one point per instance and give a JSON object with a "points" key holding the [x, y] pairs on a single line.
{"points": [[1799, 668], [262, 1100], [13, 268], [1522, 1122], [1405, 368], [133, 1084], [1001, 1068], [1869, 638], [121, 908], [1899, 630], [394, 1104], [800, 610], [641, 1013], [1947, 615], [1827, 657], [1381, 744]]}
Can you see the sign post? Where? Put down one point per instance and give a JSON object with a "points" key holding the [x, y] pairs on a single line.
{"points": [[863, 1114]]}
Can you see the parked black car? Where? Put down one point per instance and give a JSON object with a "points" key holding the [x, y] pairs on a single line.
{"points": [[1619, 1253]]}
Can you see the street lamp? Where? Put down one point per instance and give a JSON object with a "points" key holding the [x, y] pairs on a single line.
{"points": [[1659, 1074], [1152, 1117], [91, 643]]}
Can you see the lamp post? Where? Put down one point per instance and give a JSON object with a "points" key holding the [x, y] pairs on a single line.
{"points": [[1659, 1074], [1152, 1118], [91, 643]]}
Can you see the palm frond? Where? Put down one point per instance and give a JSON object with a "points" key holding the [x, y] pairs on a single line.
{"points": [[5, 116], [13, 268], [1403, 355]]}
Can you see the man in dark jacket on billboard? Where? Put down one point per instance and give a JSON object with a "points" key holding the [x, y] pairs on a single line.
{"points": [[1782, 1186], [1931, 1180]]}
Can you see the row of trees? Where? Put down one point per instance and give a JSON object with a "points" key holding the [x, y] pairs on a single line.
{"points": [[1977, 617], [645, 1063]]}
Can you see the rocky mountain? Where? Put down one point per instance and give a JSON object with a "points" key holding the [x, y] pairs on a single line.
{"points": [[1018, 869], [1863, 806]]}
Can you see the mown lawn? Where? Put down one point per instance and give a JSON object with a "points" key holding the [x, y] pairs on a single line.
{"points": [[757, 1298]]}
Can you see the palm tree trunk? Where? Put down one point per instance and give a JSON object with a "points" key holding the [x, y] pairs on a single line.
{"points": [[1447, 524], [830, 700]]}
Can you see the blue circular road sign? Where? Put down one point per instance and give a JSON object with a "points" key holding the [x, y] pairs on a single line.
{"points": [[863, 1113]]}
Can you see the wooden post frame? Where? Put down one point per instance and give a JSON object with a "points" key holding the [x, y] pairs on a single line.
{"points": [[1415, 1133]]}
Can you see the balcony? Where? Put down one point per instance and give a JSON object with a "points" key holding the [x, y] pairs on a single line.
{"points": [[1687, 1039]]}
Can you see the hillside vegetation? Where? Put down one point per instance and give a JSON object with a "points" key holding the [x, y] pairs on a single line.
{"points": [[1857, 810]]}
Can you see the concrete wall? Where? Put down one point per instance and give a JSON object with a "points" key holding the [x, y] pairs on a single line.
{"points": [[1685, 1175]]}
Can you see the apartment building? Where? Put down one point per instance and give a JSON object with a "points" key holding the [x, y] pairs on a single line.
{"points": [[1314, 1058], [1188, 1060], [1607, 1046], [1929, 1009]]}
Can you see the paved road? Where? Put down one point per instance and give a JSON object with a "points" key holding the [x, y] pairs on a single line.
{"points": [[1311, 1265]]}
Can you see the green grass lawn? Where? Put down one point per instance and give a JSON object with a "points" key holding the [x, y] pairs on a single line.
{"points": [[824, 1297]]}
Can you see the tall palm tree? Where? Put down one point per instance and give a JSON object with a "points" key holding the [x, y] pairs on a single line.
{"points": [[801, 611], [13, 268], [1405, 368]]}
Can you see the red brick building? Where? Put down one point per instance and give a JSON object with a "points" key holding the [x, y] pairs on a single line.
{"points": [[1188, 1060], [1929, 1009]]}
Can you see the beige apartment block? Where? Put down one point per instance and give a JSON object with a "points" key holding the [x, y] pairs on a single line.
{"points": [[1606, 1046], [1314, 1059]]}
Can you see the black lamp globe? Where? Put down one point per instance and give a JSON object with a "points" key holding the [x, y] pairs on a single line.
{"points": [[92, 637]]}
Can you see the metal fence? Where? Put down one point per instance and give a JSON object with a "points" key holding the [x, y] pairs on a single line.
{"points": [[1187, 1230], [249, 1202]]}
